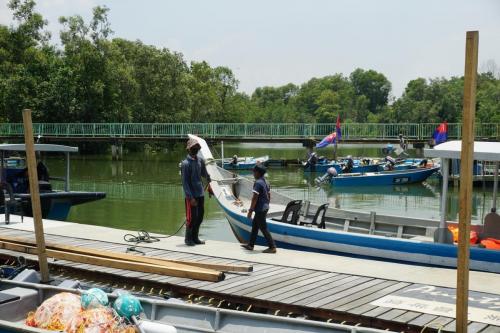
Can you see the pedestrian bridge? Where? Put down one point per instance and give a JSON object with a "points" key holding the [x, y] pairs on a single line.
{"points": [[291, 132]]}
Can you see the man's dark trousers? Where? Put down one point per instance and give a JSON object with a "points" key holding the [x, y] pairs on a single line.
{"points": [[259, 222], [194, 217]]}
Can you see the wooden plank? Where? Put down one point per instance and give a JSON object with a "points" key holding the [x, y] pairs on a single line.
{"points": [[466, 166], [129, 257], [422, 320], [358, 295], [476, 327], [307, 291], [338, 287], [406, 317], [273, 282], [36, 207], [341, 293], [353, 306], [312, 279], [377, 311], [172, 269], [390, 315], [246, 280]]}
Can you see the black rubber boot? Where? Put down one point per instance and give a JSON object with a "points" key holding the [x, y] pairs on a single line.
{"points": [[196, 239], [188, 237]]}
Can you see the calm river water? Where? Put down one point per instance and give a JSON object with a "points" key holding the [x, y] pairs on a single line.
{"points": [[144, 191]]}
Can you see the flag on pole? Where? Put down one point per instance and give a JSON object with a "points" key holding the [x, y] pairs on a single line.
{"points": [[441, 133], [327, 140], [338, 131]]}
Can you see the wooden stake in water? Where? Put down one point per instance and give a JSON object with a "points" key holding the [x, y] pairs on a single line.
{"points": [[35, 195], [466, 166]]}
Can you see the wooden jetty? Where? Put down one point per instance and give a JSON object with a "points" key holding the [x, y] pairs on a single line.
{"points": [[290, 283]]}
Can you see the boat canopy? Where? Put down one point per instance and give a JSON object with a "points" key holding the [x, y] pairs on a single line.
{"points": [[483, 151], [39, 147]]}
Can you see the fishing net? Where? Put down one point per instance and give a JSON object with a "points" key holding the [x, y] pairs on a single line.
{"points": [[56, 312], [98, 320]]}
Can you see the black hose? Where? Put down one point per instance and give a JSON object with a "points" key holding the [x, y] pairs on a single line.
{"points": [[144, 237]]}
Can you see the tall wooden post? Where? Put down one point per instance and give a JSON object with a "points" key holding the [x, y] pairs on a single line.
{"points": [[466, 165], [34, 194]]}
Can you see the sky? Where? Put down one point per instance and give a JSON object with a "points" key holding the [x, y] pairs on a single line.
{"points": [[274, 42]]}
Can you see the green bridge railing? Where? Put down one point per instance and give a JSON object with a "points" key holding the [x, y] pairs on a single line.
{"points": [[350, 131]]}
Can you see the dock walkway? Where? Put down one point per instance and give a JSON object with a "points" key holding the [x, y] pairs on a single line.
{"points": [[318, 286]]}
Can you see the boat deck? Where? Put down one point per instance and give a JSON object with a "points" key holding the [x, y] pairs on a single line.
{"points": [[319, 286]]}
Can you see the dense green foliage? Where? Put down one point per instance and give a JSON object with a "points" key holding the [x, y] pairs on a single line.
{"points": [[95, 78]]}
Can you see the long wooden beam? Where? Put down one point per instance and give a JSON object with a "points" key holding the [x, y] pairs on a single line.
{"points": [[466, 166], [130, 257], [36, 206], [172, 269]]}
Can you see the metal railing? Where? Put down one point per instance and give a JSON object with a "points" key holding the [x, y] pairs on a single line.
{"points": [[350, 131]]}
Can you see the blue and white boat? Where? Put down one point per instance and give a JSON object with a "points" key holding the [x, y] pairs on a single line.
{"points": [[383, 178], [14, 189], [244, 163], [305, 226]]}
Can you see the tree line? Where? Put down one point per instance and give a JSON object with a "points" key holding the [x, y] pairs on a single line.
{"points": [[92, 77]]}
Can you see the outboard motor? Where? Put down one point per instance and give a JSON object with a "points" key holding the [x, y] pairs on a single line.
{"points": [[311, 161], [390, 163], [349, 165], [330, 173]]}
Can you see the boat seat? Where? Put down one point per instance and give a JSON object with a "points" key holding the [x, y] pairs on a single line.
{"points": [[447, 235], [491, 227], [291, 213], [318, 219]]}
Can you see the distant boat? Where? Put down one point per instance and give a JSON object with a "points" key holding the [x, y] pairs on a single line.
{"points": [[14, 188], [397, 177], [244, 163], [359, 165], [304, 226]]}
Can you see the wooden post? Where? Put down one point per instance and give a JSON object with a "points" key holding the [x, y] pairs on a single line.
{"points": [[466, 166], [34, 195]]}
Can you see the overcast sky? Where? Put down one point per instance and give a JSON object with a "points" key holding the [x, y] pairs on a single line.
{"points": [[274, 42]]}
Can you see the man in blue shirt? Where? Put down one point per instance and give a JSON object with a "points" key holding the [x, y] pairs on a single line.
{"points": [[192, 169], [260, 205]]}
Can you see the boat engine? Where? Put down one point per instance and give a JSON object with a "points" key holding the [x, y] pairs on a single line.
{"points": [[330, 173]]}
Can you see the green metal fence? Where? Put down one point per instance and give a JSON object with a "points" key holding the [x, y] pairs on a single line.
{"points": [[350, 131]]}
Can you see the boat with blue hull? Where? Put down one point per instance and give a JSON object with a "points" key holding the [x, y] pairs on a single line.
{"points": [[305, 226], [14, 188], [245, 163], [383, 178], [322, 166]]}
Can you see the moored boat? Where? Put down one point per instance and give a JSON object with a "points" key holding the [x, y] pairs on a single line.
{"points": [[305, 226], [395, 177], [14, 189], [244, 163], [19, 298]]}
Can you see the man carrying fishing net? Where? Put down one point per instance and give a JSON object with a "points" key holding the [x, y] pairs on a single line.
{"points": [[192, 170]]}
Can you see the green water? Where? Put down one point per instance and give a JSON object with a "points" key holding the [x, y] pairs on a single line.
{"points": [[144, 190]]}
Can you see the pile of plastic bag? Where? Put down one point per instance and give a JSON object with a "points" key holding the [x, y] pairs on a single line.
{"points": [[71, 313]]}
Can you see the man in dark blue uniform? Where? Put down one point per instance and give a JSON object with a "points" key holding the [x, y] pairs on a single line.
{"points": [[260, 205], [192, 169]]}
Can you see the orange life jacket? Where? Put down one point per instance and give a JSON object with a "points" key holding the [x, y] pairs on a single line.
{"points": [[474, 238], [491, 243]]}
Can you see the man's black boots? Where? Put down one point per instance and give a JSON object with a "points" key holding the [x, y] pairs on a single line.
{"points": [[188, 237], [196, 239]]}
